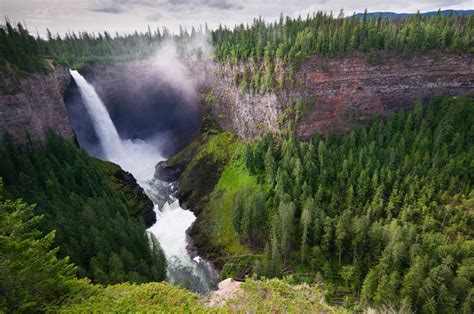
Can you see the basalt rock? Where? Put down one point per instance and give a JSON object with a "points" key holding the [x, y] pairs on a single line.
{"points": [[341, 91], [357, 88], [168, 173], [33, 103]]}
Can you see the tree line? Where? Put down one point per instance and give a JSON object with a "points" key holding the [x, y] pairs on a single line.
{"points": [[27, 54], [385, 212], [295, 39], [273, 46]]}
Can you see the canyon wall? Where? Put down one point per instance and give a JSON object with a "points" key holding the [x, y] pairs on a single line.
{"points": [[248, 115], [146, 101], [342, 91], [34, 103]]}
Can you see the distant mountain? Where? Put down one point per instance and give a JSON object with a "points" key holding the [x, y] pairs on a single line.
{"points": [[393, 15]]}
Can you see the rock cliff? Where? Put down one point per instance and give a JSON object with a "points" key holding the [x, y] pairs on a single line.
{"points": [[32, 104], [147, 101], [343, 91]]}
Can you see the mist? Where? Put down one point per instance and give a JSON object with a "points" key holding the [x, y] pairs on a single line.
{"points": [[135, 113], [155, 100]]}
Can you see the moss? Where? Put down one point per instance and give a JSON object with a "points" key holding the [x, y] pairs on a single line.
{"points": [[234, 177], [213, 232], [186, 154], [205, 167]]}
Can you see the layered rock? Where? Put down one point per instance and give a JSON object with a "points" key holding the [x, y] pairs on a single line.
{"points": [[356, 88], [342, 91], [248, 115], [34, 103]]}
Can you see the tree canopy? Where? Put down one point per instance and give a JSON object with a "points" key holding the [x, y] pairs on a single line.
{"points": [[384, 212]]}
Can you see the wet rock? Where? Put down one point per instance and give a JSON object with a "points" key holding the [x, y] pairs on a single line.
{"points": [[168, 173]]}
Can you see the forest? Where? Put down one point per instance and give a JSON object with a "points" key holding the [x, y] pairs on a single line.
{"points": [[94, 224], [384, 212]]}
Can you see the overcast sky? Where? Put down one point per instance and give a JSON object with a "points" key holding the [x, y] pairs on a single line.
{"points": [[125, 16]]}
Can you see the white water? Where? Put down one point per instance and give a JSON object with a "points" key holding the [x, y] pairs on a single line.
{"points": [[140, 158]]}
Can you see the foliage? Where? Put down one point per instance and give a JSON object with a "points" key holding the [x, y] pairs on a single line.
{"points": [[93, 224], [207, 159], [138, 204], [221, 203], [259, 296], [279, 296], [19, 49], [151, 297], [385, 211], [76, 49], [31, 276]]}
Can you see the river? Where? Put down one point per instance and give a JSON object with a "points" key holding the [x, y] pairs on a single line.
{"points": [[139, 158]]}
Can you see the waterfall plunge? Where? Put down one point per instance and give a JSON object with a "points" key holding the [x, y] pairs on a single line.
{"points": [[140, 158], [103, 125], [137, 157]]}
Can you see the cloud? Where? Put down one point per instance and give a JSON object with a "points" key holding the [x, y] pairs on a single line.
{"points": [[126, 16], [155, 17], [121, 6], [111, 10], [217, 4]]}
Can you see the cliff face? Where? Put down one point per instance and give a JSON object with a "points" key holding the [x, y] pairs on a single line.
{"points": [[243, 113], [343, 91], [147, 100], [34, 103], [359, 87]]}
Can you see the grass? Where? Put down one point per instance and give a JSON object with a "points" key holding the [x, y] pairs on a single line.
{"points": [[234, 177]]}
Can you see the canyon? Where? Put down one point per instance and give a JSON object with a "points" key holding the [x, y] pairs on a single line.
{"points": [[339, 92]]}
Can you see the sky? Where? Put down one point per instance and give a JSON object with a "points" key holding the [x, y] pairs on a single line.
{"points": [[126, 16]]}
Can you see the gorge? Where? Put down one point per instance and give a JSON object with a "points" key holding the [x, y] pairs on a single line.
{"points": [[325, 163], [140, 157]]}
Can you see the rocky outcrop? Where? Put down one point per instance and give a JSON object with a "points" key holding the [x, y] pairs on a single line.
{"points": [[168, 173], [342, 91], [226, 290], [248, 115], [139, 204], [34, 103]]}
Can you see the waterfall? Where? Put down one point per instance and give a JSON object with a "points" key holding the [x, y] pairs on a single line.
{"points": [[103, 125], [140, 158]]}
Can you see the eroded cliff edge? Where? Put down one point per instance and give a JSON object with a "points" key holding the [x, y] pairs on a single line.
{"points": [[341, 91], [34, 103]]}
